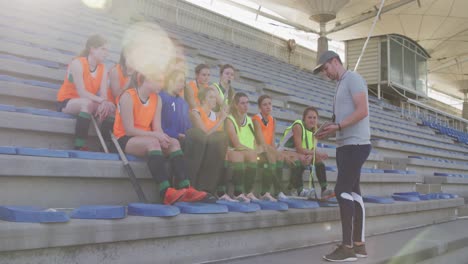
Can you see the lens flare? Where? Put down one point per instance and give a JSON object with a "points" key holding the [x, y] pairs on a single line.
{"points": [[148, 49], [97, 4]]}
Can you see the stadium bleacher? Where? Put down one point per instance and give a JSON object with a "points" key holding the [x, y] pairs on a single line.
{"points": [[39, 168]]}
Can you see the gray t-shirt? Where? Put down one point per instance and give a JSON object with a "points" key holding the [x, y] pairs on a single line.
{"points": [[359, 133]]}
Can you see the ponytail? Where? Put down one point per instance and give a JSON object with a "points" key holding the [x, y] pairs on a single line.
{"points": [[94, 41]]}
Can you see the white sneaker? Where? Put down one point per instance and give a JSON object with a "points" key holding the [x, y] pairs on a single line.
{"points": [[294, 193], [242, 198], [282, 196], [226, 197], [251, 197], [307, 193], [267, 197]]}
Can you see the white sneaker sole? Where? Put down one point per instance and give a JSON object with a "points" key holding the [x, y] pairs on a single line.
{"points": [[361, 256], [340, 260]]}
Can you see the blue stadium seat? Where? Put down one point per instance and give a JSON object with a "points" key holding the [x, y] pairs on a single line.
{"points": [[44, 112], [407, 193], [99, 212], [93, 155], [406, 198], [31, 214], [429, 196], [42, 152], [42, 84], [133, 158], [444, 196], [7, 108], [378, 199], [6, 150], [152, 210], [300, 203], [269, 205], [201, 208], [395, 171], [9, 78], [239, 206]]}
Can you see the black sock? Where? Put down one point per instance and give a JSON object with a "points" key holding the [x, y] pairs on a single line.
{"points": [[267, 177], [278, 177], [237, 177], [321, 173], [107, 127], [158, 169], [83, 120], [250, 176], [178, 167], [222, 182], [296, 176]]}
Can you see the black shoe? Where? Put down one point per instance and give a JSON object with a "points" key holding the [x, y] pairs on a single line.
{"points": [[360, 251], [341, 254], [209, 198]]}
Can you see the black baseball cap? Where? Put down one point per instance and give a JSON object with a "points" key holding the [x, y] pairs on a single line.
{"points": [[324, 58]]}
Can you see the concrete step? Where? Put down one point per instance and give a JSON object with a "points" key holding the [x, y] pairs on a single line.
{"points": [[428, 188], [463, 210], [404, 150], [24, 95], [48, 180], [431, 164], [438, 243], [214, 237], [70, 182], [456, 256], [450, 184], [376, 133], [28, 130], [27, 70], [383, 184]]}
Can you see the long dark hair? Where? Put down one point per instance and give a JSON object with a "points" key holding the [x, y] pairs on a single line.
{"points": [[235, 101], [94, 41], [200, 67], [221, 70], [307, 110], [123, 63], [261, 98], [136, 81]]}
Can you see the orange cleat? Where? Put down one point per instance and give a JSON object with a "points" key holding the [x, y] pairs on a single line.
{"points": [[192, 195], [172, 195]]}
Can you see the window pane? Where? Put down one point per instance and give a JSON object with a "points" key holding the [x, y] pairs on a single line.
{"points": [[409, 73], [396, 62]]}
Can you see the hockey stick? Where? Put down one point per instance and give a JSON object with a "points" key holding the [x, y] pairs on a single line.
{"points": [[129, 170]]}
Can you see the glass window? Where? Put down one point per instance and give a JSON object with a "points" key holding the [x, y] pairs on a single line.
{"points": [[408, 65], [421, 70], [383, 61], [409, 68], [396, 62]]}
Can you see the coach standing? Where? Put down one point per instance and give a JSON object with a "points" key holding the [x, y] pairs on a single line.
{"points": [[351, 125]]}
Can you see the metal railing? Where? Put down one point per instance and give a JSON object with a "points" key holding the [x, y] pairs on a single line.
{"points": [[413, 109]]}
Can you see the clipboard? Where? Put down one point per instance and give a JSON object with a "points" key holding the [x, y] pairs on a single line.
{"points": [[322, 127]]}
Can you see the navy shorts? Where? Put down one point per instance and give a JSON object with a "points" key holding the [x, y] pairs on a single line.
{"points": [[62, 105], [123, 141]]}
